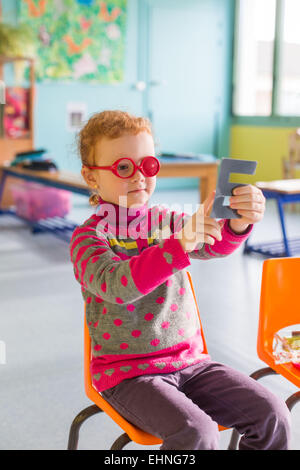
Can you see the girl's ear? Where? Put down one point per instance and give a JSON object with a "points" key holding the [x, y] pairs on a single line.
{"points": [[88, 177]]}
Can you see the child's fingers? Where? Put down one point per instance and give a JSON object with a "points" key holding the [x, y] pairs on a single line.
{"points": [[213, 232], [209, 226], [247, 193], [221, 223], [210, 223], [247, 198], [251, 206], [208, 203], [250, 216], [209, 240]]}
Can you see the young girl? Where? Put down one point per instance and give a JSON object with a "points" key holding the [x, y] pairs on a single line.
{"points": [[131, 260]]}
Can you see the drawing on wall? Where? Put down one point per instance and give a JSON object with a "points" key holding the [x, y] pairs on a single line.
{"points": [[81, 40]]}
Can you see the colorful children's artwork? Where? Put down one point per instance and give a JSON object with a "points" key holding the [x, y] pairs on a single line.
{"points": [[78, 39]]}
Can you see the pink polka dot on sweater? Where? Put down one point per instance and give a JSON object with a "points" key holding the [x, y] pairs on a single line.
{"points": [[136, 333], [112, 269], [95, 259], [181, 290], [124, 346], [98, 347], [104, 311], [118, 322], [124, 280], [155, 342], [88, 300], [148, 316], [165, 324], [181, 332], [103, 286], [174, 307], [106, 335], [96, 324], [188, 315], [169, 282], [99, 300], [119, 300], [160, 300], [130, 307], [91, 278]]}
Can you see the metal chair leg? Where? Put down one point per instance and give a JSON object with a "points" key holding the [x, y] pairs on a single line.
{"points": [[258, 374], [292, 400], [77, 422], [235, 436], [121, 442]]}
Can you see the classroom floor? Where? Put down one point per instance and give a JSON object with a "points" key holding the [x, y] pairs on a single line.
{"points": [[41, 324]]}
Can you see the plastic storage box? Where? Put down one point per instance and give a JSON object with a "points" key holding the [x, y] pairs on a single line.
{"points": [[34, 201]]}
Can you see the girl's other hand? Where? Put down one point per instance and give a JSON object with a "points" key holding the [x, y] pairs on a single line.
{"points": [[250, 203]]}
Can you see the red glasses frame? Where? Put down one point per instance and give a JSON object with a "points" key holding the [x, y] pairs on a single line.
{"points": [[136, 167]]}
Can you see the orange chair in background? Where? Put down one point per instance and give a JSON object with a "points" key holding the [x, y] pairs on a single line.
{"points": [[131, 432], [279, 308]]}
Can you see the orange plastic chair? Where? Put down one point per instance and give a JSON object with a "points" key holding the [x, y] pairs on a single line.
{"points": [[131, 432], [279, 308]]}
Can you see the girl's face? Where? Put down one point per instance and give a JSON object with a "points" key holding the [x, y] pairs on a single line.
{"points": [[110, 187]]}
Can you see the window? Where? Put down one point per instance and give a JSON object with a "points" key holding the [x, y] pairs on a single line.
{"points": [[253, 77], [266, 76], [289, 61]]}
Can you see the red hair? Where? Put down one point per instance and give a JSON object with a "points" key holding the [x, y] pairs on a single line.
{"points": [[109, 124]]}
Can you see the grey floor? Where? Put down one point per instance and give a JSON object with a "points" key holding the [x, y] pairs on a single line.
{"points": [[41, 386]]}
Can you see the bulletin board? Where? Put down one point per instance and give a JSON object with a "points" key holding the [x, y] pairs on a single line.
{"points": [[77, 40]]}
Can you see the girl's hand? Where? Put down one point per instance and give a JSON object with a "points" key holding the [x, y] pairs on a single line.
{"points": [[249, 202], [200, 228]]}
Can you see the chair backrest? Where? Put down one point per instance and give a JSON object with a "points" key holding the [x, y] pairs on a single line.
{"points": [[279, 301], [135, 434]]}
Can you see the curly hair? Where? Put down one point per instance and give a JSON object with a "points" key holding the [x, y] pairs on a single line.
{"points": [[110, 124]]}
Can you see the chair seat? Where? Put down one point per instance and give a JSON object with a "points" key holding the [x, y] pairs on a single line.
{"points": [[136, 434]]}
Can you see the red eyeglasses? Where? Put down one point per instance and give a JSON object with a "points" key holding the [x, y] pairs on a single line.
{"points": [[126, 167]]}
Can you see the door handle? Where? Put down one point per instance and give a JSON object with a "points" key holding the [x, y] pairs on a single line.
{"points": [[140, 86], [158, 83]]}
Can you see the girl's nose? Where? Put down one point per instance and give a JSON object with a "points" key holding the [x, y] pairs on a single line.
{"points": [[138, 176]]}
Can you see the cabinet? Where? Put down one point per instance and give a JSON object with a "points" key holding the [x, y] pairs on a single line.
{"points": [[17, 115]]}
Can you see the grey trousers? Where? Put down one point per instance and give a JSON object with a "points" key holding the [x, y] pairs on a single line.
{"points": [[184, 408]]}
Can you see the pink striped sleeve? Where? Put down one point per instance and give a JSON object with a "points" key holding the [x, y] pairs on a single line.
{"points": [[159, 263], [117, 277], [229, 243]]}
